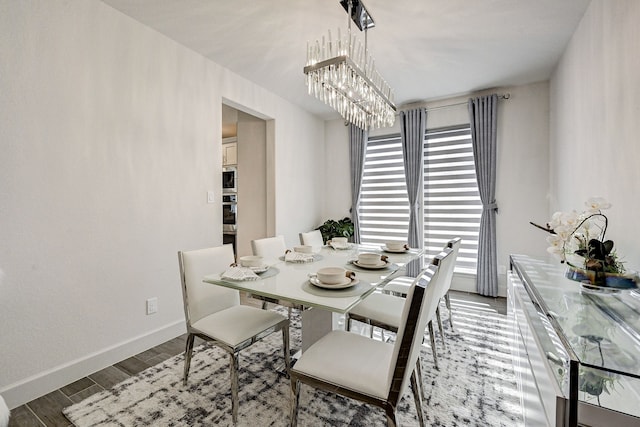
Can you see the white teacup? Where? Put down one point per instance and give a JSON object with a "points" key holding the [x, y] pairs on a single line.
{"points": [[369, 259], [303, 249], [251, 261], [332, 275], [340, 241], [395, 246]]}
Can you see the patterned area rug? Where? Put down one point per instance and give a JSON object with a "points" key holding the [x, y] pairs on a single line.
{"points": [[475, 386]]}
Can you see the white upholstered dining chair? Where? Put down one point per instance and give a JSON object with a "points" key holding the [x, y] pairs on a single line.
{"points": [[454, 244], [399, 285], [313, 239], [371, 371], [384, 310], [214, 313], [269, 248], [4, 413]]}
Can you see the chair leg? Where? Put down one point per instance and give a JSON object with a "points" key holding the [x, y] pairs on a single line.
{"points": [[444, 344], [433, 344], [417, 399], [295, 397], [286, 346], [347, 322], [391, 416], [234, 387], [447, 301], [289, 311], [264, 305], [419, 374], [187, 357]]}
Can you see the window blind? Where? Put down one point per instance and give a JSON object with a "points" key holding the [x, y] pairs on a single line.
{"points": [[384, 206], [452, 204]]}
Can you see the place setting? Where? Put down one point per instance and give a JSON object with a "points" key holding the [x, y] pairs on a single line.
{"points": [[339, 243], [333, 278], [371, 261], [301, 254], [326, 281], [395, 247], [252, 267]]}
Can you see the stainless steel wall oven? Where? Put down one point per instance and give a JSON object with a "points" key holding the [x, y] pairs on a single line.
{"points": [[229, 212], [229, 180], [229, 218]]}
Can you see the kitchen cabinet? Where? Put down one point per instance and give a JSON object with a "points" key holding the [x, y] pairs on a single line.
{"points": [[229, 151]]}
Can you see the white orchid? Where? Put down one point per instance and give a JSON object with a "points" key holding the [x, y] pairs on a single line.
{"points": [[557, 251], [579, 238], [556, 220], [557, 245], [555, 240], [564, 231], [570, 219], [596, 204]]}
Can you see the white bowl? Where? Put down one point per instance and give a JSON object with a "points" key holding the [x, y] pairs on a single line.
{"points": [[251, 261], [339, 240], [303, 249], [331, 275], [395, 246], [369, 259]]}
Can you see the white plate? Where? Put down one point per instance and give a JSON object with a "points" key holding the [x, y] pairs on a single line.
{"points": [[383, 264], [394, 251], [347, 283], [260, 269]]}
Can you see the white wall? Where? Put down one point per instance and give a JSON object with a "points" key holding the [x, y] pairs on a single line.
{"points": [[111, 137], [336, 164], [252, 182], [299, 175], [595, 111], [522, 175]]}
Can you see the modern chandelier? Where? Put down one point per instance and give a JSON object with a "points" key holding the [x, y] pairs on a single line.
{"points": [[342, 73]]}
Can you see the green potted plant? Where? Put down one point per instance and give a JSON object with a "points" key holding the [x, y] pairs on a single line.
{"points": [[340, 228]]}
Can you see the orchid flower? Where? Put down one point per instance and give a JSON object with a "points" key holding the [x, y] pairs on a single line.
{"points": [[596, 204]]}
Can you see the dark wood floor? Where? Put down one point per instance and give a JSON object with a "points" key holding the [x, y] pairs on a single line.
{"points": [[47, 410]]}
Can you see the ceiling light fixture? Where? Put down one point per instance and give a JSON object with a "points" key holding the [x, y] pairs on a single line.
{"points": [[342, 73]]}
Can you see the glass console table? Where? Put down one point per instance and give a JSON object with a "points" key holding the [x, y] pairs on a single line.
{"points": [[576, 351]]}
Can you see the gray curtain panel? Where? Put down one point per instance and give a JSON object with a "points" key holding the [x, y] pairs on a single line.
{"points": [[483, 118], [412, 128], [357, 152]]}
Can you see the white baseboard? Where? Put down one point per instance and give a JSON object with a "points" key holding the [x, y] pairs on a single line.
{"points": [[467, 283], [26, 390]]}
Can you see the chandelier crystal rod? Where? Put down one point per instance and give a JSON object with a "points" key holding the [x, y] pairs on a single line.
{"points": [[342, 74]]}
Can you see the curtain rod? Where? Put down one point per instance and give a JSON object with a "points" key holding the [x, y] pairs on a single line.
{"points": [[503, 96], [439, 107]]}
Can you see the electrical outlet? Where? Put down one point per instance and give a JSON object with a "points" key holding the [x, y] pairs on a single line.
{"points": [[152, 305], [211, 196]]}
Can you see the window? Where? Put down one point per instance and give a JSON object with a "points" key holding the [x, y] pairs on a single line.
{"points": [[384, 206], [451, 202]]}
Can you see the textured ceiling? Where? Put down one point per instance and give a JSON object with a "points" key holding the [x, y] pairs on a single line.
{"points": [[425, 49]]}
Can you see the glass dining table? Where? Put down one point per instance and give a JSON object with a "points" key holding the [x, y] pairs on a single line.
{"points": [[290, 284]]}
